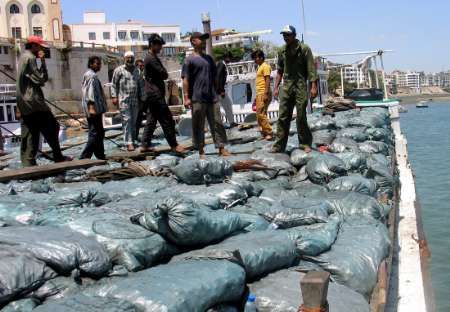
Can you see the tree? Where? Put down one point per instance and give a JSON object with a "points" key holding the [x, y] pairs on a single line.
{"points": [[220, 51], [334, 83]]}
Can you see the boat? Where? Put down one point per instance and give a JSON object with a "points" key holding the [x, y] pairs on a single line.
{"points": [[422, 104], [8, 122], [402, 109]]}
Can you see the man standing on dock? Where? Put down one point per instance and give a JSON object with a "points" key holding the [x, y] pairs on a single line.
{"points": [[199, 86], [94, 106], [154, 98], [225, 100], [140, 115], [296, 65], [263, 94], [36, 116], [125, 90]]}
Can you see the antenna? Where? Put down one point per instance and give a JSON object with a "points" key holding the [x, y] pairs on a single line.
{"points": [[304, 20]]}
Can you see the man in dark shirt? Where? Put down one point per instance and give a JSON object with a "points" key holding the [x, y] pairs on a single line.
{"points": [[154, 98], [199, 86], [224, 98]]}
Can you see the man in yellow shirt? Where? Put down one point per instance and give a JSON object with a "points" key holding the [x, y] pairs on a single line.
{"points": [[263, 94]]}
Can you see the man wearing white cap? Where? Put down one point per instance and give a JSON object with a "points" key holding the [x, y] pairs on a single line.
{"points": [[125, 92]]}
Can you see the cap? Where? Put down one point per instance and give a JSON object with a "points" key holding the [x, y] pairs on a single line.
{"points": [[288, 29], [156, 38], [129, 53], [199, 35], [37, 40], [251, 298]]}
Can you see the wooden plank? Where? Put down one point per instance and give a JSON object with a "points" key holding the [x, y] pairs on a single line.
{"points": [[47, 170], [137, 155]]}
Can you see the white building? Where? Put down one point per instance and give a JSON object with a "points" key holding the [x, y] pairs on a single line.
{"points": [[354, 74], [408, 79], [22, 18], [129, 35]]}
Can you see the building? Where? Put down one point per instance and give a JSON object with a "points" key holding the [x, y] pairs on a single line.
{"points": [[22, 18], [408, 79], [130, 35], [354, 74]]}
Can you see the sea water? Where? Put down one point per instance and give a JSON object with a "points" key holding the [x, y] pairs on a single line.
{"points": [[428, 134]]}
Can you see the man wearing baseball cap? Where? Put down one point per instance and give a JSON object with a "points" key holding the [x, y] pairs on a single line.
{"points": [[199, 85], [125, 90], [154, 98], [296, 66], [36, 116]]}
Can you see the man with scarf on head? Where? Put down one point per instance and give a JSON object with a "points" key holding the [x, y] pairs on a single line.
{"points": [[125, 92]]}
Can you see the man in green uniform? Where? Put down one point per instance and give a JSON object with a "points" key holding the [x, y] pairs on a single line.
{"points": [[296, 66]]}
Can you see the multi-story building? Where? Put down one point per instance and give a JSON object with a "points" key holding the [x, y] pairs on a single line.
{"points": [[408, 79], [22, 18], [130, 35], [354, 74]]}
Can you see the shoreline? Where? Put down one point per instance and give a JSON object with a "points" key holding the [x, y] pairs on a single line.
{"points": [[414, 99]]}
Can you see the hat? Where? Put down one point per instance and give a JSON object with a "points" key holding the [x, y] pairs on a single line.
{"points": [[288, 29], [156, 38], [37, 40], [129, 53], [199, 35]]}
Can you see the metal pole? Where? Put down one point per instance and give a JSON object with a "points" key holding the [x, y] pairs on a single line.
{"points": [[342, 81], [383, 75], [376, 71], [206, 21], [304, 20]]}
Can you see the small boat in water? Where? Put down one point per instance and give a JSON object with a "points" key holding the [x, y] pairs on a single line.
{"points": [[422, 104]]}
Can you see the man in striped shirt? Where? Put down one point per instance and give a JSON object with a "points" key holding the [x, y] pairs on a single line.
{"points": [[125, 92]]}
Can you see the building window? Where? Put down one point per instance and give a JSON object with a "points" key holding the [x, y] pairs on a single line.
{"points": [[169, 51], [37, 31], [56, 33], [106, 35], [92, 36], [16, 32], [168, 37], [134, 35], [122, 35], [145, 36], [2, 113], [5, 50], [35, 9], [14, 9]]}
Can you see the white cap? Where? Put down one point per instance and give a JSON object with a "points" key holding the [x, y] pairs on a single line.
{"points": [[129, 53]]}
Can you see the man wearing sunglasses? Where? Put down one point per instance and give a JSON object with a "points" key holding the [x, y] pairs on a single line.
{"points": [[296, 67]]}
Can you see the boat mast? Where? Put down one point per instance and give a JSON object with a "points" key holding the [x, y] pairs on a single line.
{"points": [[304, 20]]}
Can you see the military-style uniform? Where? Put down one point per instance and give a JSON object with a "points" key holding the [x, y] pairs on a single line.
{"points": [[297, 64]]}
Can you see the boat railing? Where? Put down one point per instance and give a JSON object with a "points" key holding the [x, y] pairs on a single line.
{"points": [[7, 89]]}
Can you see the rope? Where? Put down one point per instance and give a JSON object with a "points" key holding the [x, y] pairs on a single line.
{"points": [[130, 169]]}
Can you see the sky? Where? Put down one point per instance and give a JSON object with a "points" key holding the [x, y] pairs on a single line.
{"points": [[417, 30]]}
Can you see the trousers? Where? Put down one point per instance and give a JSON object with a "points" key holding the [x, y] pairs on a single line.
{"points": [[129, 115], [261, 114], [294, 96], [211, 112], [158, 111], [33, 125], [95, 145]]}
